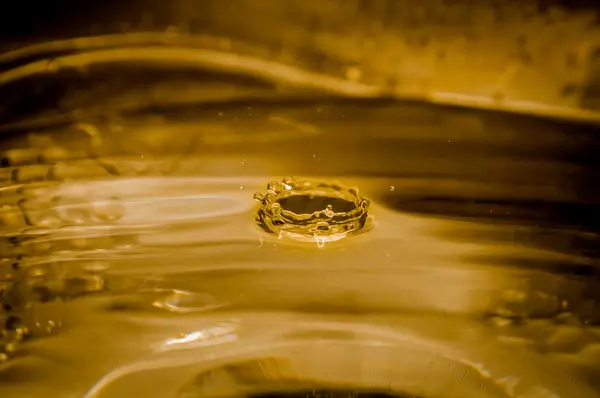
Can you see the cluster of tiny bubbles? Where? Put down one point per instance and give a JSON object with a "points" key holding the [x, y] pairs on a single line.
{"points": [[308, 210]]}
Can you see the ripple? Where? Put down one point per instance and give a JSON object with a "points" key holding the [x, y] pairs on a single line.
{"points": [[104, 250]]}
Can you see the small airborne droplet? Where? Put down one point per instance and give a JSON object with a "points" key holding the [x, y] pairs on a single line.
{"points": [[392, 188]]}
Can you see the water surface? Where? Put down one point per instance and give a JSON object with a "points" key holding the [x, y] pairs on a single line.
{"points": [[132, 258]]}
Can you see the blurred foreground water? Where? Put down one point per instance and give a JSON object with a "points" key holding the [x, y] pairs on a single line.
{"points": [[132, 265]]}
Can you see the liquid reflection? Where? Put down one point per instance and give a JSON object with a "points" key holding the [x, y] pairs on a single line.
{"points": [[222, 268], [213, 335], [121, 232]]}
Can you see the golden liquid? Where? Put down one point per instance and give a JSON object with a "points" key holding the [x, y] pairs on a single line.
{"points": [[133, 265]]}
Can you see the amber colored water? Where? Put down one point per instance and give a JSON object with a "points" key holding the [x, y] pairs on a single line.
{"points": [[133, 265]]}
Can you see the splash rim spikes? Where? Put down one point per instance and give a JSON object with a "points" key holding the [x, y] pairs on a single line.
{"points": [[318, 225]]}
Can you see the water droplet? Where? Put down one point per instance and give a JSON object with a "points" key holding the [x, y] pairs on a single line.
{"points": [[392, 188], [289, 183], [365, 203]]}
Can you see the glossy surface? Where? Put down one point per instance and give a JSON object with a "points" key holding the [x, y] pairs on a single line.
{"points": [[132, 257]]}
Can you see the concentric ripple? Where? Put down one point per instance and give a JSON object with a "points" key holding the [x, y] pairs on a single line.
{"points": [[126, 257]]}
